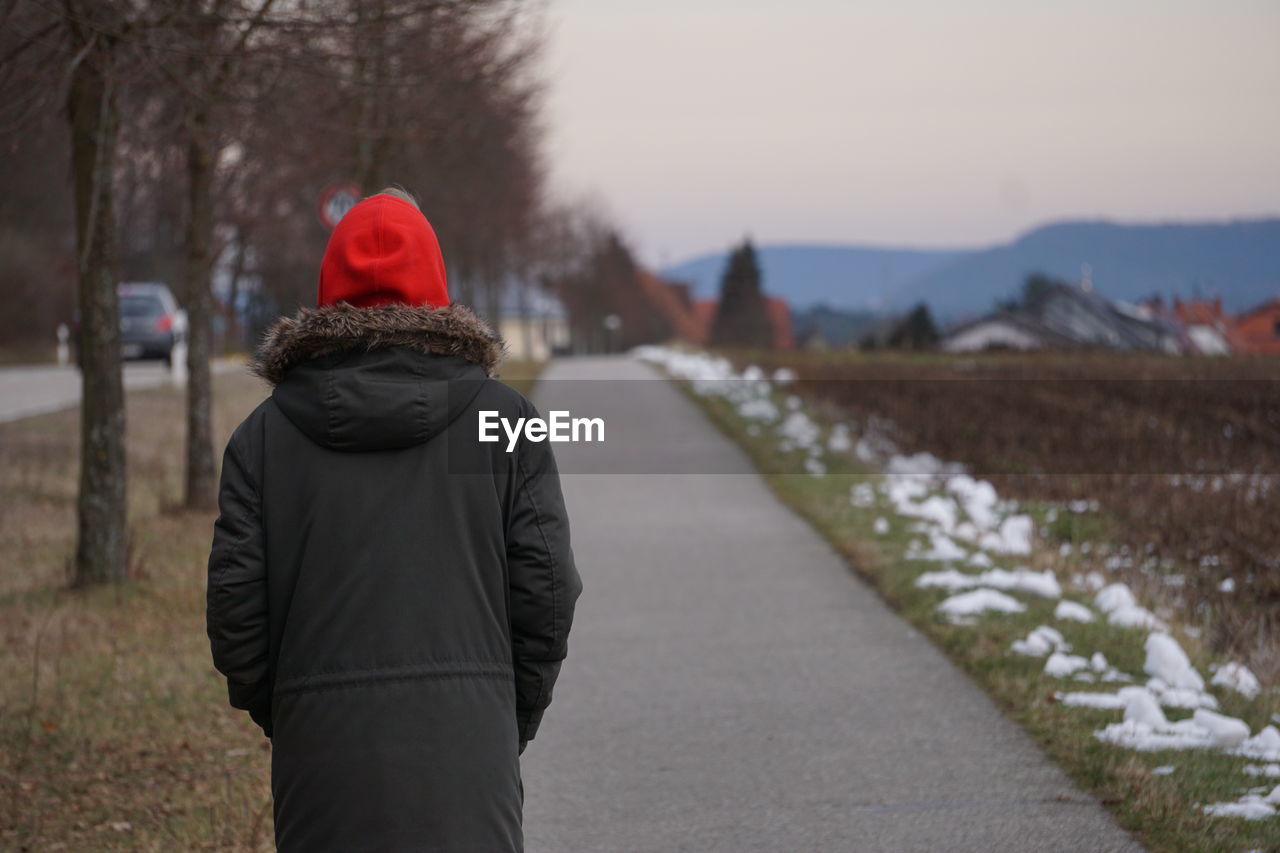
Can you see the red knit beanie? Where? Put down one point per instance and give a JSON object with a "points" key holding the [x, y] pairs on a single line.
{"points": [[383, 251]]}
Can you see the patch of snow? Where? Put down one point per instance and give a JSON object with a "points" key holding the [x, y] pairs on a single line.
{"points": [[1094, 581], [1228, 585], [1271, 771], [1061, 665], [784, 376], [938, 510], [1249, 807], [1163, 770], [1114, 597], [1226, 731], [978, 498], [1040, 642], [1264, 746], [1252, 806], [1123, 610], [1072, 611], [1106, 701], [758, 409], [1044, 583], [942, 549], [799, 430], [961, 608], [1237, 677], [1181, 697], [881, 526], [862, 495], [1145, 727], [1168, 662], [839, 441], [1012, 537], [917, 464]]}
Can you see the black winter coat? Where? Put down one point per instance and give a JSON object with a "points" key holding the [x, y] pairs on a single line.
{"points": [[389, 598]]}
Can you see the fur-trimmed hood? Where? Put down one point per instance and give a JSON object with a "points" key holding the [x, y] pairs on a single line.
{"points": [[316, 332]]}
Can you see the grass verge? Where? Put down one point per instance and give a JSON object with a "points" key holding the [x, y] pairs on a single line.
{"points": [[115, 733]]}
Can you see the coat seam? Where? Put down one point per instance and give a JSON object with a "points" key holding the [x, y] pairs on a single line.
{"points": [[551, 562]]}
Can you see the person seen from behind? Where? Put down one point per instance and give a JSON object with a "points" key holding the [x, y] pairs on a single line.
{"points": [[389, 598]]}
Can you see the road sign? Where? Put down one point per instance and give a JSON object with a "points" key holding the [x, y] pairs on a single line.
{"points": [[335, 201]]}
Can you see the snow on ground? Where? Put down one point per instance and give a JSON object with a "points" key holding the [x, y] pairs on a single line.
{"points": [[1073, 611], [1264, 746], [1060, 665], [1237, 677], [1249, 807], [1044, 583], [1270, 771], [1145, 727], [963, 607], [963, 521], [1041, 642], [1167, 661], [1123, 610]]}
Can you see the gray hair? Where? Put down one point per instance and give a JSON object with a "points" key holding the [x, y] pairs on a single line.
{"points": [[397, 191]]}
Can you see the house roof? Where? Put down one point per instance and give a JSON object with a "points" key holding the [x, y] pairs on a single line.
{"points": [[667, 299], [1270, 306]]}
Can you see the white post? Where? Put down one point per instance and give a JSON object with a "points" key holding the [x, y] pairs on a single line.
{"points": [[178, 355], [64, 349]]}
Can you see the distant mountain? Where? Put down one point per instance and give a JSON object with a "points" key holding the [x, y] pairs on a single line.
{"points": [[1239, 261], [858, 278], [835, 327]]}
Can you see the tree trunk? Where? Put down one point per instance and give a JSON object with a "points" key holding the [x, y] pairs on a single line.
{"points": [[102, 532], [234, 338], [199, 236]]}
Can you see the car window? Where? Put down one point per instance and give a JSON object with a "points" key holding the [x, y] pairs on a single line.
{"points": [[141, 306]]}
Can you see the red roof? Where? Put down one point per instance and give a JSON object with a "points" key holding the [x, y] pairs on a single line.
{"points": [[671, 300], [1198, 312]]}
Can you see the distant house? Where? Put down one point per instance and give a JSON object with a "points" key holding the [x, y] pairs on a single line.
{"points": [[1207, 327], [1258, 330], [1066, 316], [533, 323], [1006, 330], [690, 320]]}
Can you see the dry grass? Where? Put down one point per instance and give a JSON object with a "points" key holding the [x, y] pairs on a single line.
{"points": [[1182, 456], [115, 733]]}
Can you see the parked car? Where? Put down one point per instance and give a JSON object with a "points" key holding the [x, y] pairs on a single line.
{"points": [[150, 321]]}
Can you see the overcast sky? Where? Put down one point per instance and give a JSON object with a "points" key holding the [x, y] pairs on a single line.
{"points": [[913, 122]]}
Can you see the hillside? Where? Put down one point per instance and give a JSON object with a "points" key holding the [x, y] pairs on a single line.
{"points": [[848, 277], [1239, 261]]}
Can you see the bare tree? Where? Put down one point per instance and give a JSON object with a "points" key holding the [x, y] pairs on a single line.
{"points": [[92, 112], [216, 37]]}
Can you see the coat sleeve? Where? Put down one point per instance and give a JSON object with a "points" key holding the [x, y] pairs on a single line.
{"points": [[236, 597], [544, 583]]}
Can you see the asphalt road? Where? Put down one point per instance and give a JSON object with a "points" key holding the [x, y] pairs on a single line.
{"points": [[27, 391], [732, 686]]}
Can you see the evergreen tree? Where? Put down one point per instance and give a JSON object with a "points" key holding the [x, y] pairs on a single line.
{"points": [[742, 316], [916, 331]]}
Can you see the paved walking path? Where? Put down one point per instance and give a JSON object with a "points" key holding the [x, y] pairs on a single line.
{"points": [[731, 686], [27, 391]]}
